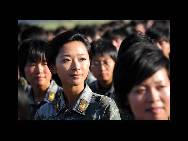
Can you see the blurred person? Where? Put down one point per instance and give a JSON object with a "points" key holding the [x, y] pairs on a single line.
{"points": [[160, 33], [50, 34], [115, 35], [34, 32], [103, 58], [139, 26], [142, 82], [89, 31]]}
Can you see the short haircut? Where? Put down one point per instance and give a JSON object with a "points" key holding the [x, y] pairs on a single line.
{"points": [[135, 65], [103, 47], [64, 38], [32, 50]]}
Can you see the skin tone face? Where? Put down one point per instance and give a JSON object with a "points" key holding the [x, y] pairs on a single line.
{"points": [[151, 99], [102, 67], [72, 64], [165, 47], [38, 75], [140, 28], [72, 67]]}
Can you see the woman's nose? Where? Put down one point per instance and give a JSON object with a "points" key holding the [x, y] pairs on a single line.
{"points": [[153, 95], [39, 68], [75, 65]]}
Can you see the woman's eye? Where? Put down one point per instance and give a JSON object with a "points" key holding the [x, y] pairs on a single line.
{"points": [[66, 60], [82, 59], [140, 91], [44, 63], [32, 64], [160, 87]]}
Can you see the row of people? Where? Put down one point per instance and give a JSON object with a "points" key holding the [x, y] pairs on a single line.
{"points": [[140, 78]]}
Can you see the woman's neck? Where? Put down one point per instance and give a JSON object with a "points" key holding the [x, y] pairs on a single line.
{"points": [[39, 93], [72, 93]]}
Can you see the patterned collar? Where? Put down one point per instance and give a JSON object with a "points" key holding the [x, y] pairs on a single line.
{"points": [[50, 94], [83, 101]]}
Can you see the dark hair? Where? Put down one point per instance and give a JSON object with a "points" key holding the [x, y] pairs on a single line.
{"points": [[114, 33], [33, 32], [131, 39], [87, 30], [103, 47], [64, 38], [160, 31], [59, 30], [32, 50], [135, 65]]}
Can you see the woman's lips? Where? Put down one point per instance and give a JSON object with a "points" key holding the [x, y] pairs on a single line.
{"points": [[155, 109], [75, 76]]}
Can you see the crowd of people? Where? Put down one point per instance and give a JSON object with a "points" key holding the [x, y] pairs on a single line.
{"points": [[115, 71]]}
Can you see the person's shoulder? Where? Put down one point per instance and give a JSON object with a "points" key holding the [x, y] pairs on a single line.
{"points": [[107, 106], [103, 100], [92, 85]]}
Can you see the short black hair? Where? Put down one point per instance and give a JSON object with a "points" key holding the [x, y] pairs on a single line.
{"points": [[64, 38], [135, 65], [32, 50], [103, 47]]}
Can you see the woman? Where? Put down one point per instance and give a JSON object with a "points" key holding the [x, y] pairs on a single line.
{"points": [[70, 58], [142, 82], [34, 67]]}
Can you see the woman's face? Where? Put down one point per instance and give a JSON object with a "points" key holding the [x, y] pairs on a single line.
{"points": [[38, 74], [102, 67], [72, 63], [151, 99]]}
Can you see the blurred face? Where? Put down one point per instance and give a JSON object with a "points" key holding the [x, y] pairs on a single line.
{"points": [[140, 28], [72, 63], [102, 68], [38, 74], [165, 47], [151, 99]]}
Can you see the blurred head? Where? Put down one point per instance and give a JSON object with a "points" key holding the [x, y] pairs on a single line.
{"points": [[33, 62], [116, 35], [139, 26], [89, 31], [164, 45], [70, 57], [160, 33], [34, 32], [103, 57], [142, 82]]}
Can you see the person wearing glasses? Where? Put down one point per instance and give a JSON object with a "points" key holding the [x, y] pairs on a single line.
{"points": [[103, 58]]}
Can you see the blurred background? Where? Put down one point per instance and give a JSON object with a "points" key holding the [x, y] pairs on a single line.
{"points": [[114, 30], [53, 24]]}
